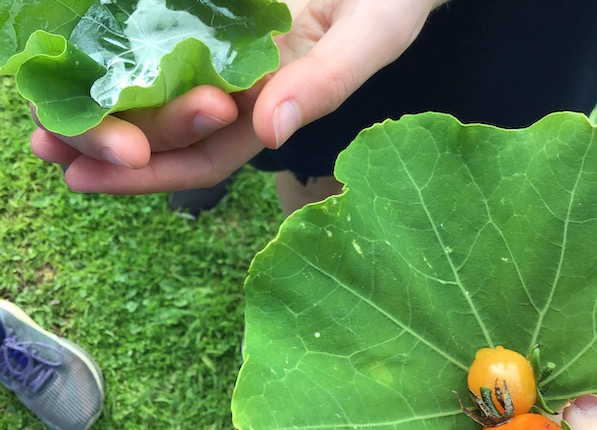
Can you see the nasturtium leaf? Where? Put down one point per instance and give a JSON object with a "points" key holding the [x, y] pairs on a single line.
{"points": [[367, 309], [80, 61]]}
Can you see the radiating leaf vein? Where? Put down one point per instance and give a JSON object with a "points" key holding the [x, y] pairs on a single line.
{"points": [[443, 247], [552, 290], [380, 311]]}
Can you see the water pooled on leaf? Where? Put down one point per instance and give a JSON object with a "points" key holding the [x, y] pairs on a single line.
{"points": [[131, 43]]}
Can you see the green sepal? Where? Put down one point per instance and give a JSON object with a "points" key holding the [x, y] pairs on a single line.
{"points": [[486, 397], [547, 370], [534, 359], [541, 372], [542, 404]]}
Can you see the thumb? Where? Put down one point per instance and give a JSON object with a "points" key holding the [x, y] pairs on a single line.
{"points": [[353, 41], [582, 413]]}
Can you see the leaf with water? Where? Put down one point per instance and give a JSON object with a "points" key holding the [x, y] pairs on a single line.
{"points": [[84, 60]]}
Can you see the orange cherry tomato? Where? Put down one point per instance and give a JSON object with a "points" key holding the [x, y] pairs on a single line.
{"points": [[499, 364], [527, 422]]}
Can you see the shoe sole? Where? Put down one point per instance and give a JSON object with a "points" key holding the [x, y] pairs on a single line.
{"points": [[66, 344]]}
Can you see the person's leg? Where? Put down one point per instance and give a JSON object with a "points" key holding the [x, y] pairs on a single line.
{"points": [[294, 195], [56, 379]]}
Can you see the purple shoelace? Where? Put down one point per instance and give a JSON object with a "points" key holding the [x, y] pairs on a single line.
{"points": [[21, 362]]}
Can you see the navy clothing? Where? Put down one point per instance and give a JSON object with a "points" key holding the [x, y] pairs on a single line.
{"points": [[501, 62]]}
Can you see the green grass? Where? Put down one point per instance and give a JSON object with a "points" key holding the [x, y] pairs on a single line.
{"points": [[156, 299]]}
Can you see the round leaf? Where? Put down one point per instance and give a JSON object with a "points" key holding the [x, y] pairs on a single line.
{"points": [[368, 308]]}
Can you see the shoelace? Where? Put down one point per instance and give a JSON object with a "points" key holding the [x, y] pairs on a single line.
{"points": [[21, 362]]}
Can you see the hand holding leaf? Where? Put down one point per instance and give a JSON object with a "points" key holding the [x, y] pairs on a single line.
{"points": [[85, 61]]}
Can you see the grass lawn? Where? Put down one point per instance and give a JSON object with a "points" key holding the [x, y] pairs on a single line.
{"points": [[156, 299]]}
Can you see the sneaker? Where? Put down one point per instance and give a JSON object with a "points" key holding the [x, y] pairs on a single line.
{"points": [[56, 379], [190, 203]]}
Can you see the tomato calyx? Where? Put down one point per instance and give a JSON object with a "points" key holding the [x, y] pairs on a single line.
{"points": [[542, 372], [506, 386], [488, 415]]}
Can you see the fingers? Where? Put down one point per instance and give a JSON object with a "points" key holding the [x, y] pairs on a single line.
{"points": [[582, 413], [331, 51], [128, 139], [185, 120], [200, 165], [114, 141], [51, 149]]}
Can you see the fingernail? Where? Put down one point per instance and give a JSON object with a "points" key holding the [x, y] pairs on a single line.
{"points": [[287, 120], [205, 124], [110, 156]]}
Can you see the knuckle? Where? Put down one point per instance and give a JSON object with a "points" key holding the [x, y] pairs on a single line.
{"points": [[341, 82]]}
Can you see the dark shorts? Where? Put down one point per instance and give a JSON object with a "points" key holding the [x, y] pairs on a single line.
{"points": [[501, 62]]}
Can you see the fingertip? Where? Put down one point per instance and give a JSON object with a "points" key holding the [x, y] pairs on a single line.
{"points": [[37, 137], [215, 101], [300, 93], [189, 118], [113, 141], [121, 143], [287, 119], [45, 146], [275, 112]]}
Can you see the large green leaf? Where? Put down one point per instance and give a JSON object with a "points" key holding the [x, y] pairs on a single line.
{"points": [[367, 309], [79, 61]]}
